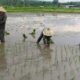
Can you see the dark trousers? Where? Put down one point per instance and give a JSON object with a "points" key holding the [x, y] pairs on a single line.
{"points": [[40, 37], [2, 35], [46, 39]]}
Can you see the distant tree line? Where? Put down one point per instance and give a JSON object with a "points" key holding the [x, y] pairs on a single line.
{"points": [[26, 3], [34, 3], [71, 3]]}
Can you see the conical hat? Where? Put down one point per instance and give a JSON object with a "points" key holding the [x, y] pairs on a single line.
{"points": [[48, 32], [2, 9]]}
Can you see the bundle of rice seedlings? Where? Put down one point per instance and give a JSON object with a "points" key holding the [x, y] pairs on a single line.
{"points": [[33, 33]]}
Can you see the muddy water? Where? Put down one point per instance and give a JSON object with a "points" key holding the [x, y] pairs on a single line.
{"points": [[25, 60], [65, 26]]}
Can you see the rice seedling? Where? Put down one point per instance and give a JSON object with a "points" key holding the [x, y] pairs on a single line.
{"points": [[7, 33], [65, 73], [24, 37], [51, 42], [73, 78], [58, 77], [79, 58], [64, 67], [14, 72], [33, 33]]}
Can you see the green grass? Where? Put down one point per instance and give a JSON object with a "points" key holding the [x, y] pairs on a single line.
{"points": [[42, 9]]}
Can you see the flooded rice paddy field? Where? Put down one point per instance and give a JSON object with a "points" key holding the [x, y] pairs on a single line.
{"points": [[25, 60]]}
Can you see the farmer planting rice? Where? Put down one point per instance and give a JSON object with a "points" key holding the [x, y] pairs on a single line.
{"points": [[46, 35]]}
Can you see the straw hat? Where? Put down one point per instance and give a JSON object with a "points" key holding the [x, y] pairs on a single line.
{"points": [[2, 9], [48, 32]]}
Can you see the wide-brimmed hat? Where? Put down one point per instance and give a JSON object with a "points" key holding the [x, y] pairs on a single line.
{"points": [[48, 32], [2, 9]]}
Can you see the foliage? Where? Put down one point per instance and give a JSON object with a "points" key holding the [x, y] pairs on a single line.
{"points": [[7, 33], [42, 9], [71, 3], [33, 33], [25, 3]]}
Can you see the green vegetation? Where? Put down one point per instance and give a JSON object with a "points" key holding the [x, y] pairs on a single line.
{"points": [[7, 33], [39, 6], [42, 9], [33, 33]]}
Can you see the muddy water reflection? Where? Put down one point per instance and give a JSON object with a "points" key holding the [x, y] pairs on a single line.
{"points": [[3, 64], [45, 52]]}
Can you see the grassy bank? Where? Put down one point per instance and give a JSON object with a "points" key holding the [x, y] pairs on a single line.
{"points": [[42, 9]]}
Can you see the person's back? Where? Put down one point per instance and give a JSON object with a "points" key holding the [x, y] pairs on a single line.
{"points": [[46, 35], [3, 18]]}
